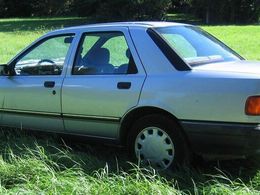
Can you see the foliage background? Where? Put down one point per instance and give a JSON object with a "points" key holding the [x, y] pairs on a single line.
{"points": [[209, 11]]}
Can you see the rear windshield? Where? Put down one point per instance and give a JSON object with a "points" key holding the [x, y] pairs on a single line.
{"points": [[195, 46]]}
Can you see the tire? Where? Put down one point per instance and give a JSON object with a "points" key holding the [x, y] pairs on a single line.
{"points": [[157, 140]]}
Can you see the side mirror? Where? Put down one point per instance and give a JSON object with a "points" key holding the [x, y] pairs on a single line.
{"points": [[6, 70]]}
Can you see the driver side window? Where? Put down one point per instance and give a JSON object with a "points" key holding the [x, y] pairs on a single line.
{"points": [[46, 58]]}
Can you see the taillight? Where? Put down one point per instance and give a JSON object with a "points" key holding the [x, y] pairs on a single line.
{"points": [[253, 105]]}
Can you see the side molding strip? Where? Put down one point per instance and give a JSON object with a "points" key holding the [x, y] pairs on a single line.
{"points": [[29, 112], [59, 115], [103, 118]]}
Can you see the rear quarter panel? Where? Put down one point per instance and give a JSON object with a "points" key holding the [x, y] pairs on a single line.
{"points": [[195, 94], [203, 96]]}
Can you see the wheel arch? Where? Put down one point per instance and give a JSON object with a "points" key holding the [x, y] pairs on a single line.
{"points": [[133, 115]]}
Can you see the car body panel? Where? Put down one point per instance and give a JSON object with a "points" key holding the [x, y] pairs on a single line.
{"points": [[32, 98], [208, 101], [35, 105], [222, 140], [177, 89], [241, 66], [152, 58], [97, 96]]}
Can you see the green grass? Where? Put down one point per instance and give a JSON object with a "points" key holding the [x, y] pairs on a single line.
{"points": [[243, 39], [46, 165], [15, 34], [49, 165]]}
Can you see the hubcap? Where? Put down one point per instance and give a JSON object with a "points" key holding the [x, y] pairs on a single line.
{"points": [[154, 146]]}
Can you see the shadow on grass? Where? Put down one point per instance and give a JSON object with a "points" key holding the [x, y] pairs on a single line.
{"points": [[35, 24], [71, 152], [90, 155]]}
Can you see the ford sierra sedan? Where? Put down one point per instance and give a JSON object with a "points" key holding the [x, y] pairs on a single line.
{"points": [[166, 91]]}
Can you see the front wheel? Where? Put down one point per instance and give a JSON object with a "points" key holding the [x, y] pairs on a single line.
{"points": [[157, 140]]}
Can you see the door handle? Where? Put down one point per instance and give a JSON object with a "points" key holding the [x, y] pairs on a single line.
{"points": [[124, 85], [49, 84]]}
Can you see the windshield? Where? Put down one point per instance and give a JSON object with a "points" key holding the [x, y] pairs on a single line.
{"points": [[195, 46]]}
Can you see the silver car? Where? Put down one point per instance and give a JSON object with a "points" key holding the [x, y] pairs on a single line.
{"points": [[164, 90]]}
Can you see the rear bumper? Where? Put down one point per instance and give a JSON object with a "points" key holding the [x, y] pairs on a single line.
{"points": [[216, 140]]}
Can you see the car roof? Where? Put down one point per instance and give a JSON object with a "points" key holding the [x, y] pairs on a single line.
{"points": [[144, 24]]}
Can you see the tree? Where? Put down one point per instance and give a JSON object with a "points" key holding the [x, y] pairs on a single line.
{"points": [[211, 11], [226, 11], [51, 7], [86, 7], [133, 9], [14, 8]]}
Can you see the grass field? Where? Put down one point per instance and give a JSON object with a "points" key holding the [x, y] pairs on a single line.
{"points": [[243, 39], [17, 33], [49, 165]]}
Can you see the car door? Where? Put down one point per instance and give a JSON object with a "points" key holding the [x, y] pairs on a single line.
{"points": [[32, 96], [103, 84]]}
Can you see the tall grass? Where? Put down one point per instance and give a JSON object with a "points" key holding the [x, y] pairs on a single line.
{"points": [[47, 165], [44, 167]]}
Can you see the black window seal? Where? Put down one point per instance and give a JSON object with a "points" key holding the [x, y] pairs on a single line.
{"points": [[177, 62]]}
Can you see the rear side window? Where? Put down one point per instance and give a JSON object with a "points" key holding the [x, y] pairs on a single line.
{"points": [[195, 46], [103, 53], [118, 49], [181, 45]]}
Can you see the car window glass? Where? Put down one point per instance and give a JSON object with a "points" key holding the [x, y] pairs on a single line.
{"points": [[89, 42], [103, 53], [119, 45], [181, 45], [45, 59], [196, 46]]}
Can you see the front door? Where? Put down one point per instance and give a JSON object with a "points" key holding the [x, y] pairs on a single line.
{"points": [[104, 83], [32, 97]]}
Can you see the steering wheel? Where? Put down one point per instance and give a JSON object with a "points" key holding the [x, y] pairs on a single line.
{"points": [[55, 66], [45, 60]]}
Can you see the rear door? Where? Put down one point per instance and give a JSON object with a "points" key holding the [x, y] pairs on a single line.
{"points": [[103, 84]]}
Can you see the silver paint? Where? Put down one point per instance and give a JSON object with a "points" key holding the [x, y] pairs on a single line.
{"points": [[207, 93]]}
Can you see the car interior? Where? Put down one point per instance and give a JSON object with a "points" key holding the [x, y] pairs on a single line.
{"points": [[97, 60]]}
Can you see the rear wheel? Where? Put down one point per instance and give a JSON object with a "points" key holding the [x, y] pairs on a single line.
{"points": [[157, 140]]}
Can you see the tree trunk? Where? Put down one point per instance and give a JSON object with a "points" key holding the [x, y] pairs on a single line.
{"points": [[208, 12]]}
